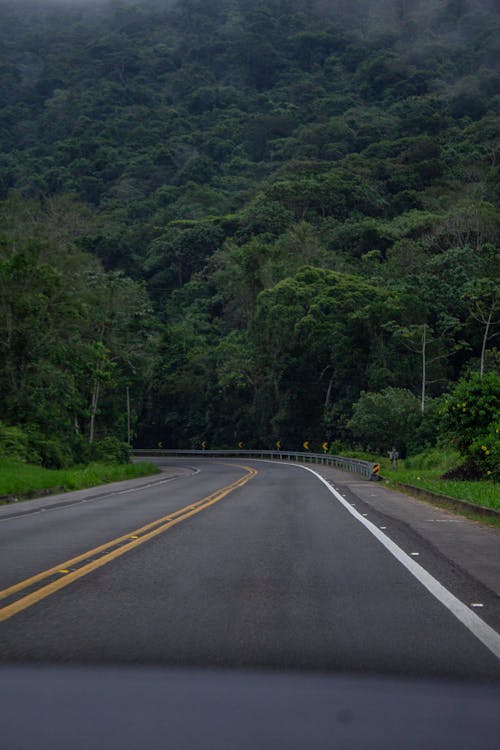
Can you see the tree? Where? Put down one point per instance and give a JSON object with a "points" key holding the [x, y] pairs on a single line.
{"points": [[216, 149], [313, 335], [119, 335], [381, 420], [483, 300], [430, 347], [65, 325]]}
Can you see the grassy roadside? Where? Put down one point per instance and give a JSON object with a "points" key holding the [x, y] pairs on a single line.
{"points": [[424, 472], [486, 494], [18, 479]]}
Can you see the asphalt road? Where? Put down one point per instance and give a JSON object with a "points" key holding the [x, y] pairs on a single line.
{"points": [[272, 573]]}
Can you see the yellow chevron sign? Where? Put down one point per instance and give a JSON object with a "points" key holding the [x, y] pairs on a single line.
{"points": [[324, 446], [240, 444], [278, 444], [306, 445], [203, 445]]}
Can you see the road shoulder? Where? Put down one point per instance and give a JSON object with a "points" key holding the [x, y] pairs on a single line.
{"points": [[35, 505], [471, 546]]}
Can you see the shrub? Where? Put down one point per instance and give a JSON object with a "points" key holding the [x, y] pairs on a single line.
{"points": [[14, 443], [484, 454], [110, 450], [470, 419], [381, 420], [433, 458], [53, 454]]}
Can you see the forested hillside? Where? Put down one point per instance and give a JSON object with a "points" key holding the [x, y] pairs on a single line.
{"points": [[260, 219]]}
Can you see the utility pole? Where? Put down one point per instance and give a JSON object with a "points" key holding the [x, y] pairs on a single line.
{"points": [[128, 415]]}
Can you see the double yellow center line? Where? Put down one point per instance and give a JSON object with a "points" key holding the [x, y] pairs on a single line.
{"points": [[38, 587]]}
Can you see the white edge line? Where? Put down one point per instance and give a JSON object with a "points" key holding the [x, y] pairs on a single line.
{"points": [[480, 629], [486, 634]]}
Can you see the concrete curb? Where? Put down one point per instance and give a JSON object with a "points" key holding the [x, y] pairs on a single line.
{"points": [[447, 502], [30, 495]]}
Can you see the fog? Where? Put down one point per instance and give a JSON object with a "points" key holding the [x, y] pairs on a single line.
{"points": [[373, 11], [418, 25]]}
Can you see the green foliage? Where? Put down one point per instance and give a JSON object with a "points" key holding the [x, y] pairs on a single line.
{"points": [[14, 443], [17, 478], [212, 151], [433, 458], [484, 493], [66, 327], [53, 453], [31, 445], [110, 450], [313, 336], [425, 471], [470, 417], [386, 419], [484, 453]]}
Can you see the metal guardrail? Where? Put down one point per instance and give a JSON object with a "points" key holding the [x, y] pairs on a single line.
{"points": [[355, 465]]}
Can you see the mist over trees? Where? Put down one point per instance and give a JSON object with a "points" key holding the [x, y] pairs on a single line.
{"points": [[258, 219]]}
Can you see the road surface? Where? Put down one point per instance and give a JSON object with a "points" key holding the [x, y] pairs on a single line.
{"points": [[227, 563]]}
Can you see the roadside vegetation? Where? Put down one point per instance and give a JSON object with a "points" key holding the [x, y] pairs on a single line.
{"points": [[20, 479], [249, 221], [426, 471], [418, 473], [31, 464]]}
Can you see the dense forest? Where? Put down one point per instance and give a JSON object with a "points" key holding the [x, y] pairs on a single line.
{"points": [[247, 221]]}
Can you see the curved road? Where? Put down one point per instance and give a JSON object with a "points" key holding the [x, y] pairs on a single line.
{"points": [[231, 563]]}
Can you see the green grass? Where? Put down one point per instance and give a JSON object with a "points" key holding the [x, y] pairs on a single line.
{"points": [[482, 493], [424, 471], [17, 478]]}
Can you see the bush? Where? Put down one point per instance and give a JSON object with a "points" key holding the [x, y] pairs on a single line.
{"points": [[484, 454], [49, 452], [435, 458], [53, 454], [15, 443], [381, 420], [31, 446], [110, 450], [470, 419]]}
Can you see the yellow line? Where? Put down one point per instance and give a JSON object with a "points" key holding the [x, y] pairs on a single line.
{"points": [[166, 523], [101, 548]]}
